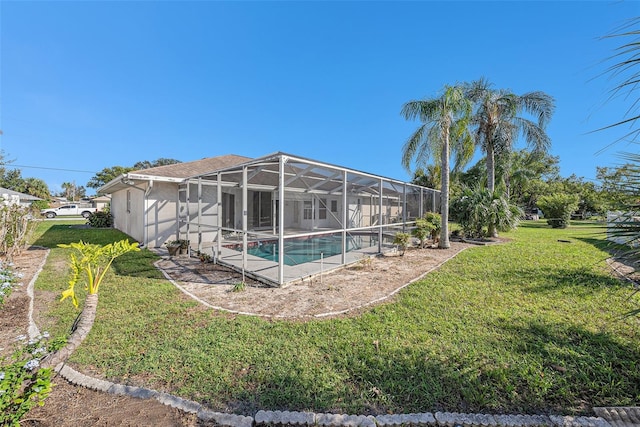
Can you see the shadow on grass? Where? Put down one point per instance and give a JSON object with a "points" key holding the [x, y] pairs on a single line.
{"points": [[586, 368], [532, 368], [134, 264], [581, 281], [66, 233], [138, 264]]}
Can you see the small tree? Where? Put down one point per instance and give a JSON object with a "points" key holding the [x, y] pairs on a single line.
{"points": [[558, 208], [89, 262], [16, 223]]}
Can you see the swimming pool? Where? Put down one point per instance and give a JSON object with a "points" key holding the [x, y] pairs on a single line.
{"points": [[308, 249]]}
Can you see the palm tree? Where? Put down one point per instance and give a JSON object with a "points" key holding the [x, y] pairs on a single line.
{"points": [[497, 122], [444, 129]]}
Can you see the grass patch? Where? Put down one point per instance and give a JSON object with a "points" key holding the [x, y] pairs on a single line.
{"points": [[534, 325]]}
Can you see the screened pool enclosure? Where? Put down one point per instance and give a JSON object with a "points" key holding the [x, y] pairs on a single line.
{"points": [[283, 218]]}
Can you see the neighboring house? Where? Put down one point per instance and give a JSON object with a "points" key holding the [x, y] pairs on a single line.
{"points": [[100, 202], [232, 207], [21, 198]]}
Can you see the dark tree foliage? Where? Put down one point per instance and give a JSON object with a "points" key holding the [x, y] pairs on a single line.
{"points": [[12, 179], [107, 174]]}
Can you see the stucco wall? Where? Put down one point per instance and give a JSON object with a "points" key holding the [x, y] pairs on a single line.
{"points": [[162, 205], [161, 208], [128, 215]]}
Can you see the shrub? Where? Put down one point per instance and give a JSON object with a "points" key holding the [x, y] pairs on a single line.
{"points": [[100, 219], [16, 223], [37, 205], [402, 240], [427, 226], [7, 280], [422, 231], [436, 221], [477, 208], [558, 208], [23, 384]]}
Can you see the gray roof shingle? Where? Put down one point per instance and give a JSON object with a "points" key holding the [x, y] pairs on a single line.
{"points": [[197, 167]]}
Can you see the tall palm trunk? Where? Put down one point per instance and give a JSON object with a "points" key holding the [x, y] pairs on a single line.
{"points": [[491, 184], [491, 169], [444, 191], [78, 335]]}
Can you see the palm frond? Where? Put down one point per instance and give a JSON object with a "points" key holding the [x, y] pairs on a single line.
{"points": [[538, 104], [625, 71], [533, 134], [412, 145]]}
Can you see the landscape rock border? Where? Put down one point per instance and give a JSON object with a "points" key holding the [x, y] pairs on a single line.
{"points": [[286, 418]]}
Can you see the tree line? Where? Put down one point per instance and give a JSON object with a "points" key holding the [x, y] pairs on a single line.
{"points": [[12, 179]]}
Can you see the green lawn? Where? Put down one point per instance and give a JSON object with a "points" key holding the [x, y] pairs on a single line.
{"points": [[534, 325]]}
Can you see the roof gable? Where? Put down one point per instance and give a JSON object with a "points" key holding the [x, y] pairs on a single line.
{"points": [[23, 196]]}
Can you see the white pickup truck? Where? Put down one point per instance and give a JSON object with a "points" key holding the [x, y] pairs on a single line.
{"points": [[67, 210]]}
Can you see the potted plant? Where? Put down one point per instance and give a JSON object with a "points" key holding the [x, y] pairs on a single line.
{"points": [[184, 246], [177, 247]]}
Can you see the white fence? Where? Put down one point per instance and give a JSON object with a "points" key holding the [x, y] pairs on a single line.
{"points": [[616, 224]]}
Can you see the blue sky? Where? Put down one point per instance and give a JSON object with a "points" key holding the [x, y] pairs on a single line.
{"points": [[88, 85]]}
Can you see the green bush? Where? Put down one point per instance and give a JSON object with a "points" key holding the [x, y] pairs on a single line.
{"points": [[23, 383], [427, 226], [558, 208], [477, 208], [422, 231], [8, 278], [402, 240], [37, 205], [16, 224], [100, 219]]}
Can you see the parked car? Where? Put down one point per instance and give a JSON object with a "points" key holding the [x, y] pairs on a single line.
{"points": [[68, 210]]}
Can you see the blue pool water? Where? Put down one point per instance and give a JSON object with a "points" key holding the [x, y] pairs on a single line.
{"points": [[299, 251]]}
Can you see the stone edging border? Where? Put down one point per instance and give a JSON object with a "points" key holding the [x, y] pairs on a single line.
{"points": [[285, 418], [309, 316]]}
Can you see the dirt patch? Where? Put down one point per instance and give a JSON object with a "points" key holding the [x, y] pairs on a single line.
{"points": [[15, 311], [363, 284], [70, 405]]}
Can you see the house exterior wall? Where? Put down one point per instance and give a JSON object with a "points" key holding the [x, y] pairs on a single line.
{"points": [[129, 212], [127, 208], [162, 209]]}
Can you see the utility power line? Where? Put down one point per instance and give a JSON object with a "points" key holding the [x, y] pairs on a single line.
{"points": [[42, 167]]}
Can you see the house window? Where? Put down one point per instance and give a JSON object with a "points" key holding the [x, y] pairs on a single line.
{"points": [[334, 206], [128, 201], [322, 209], [307, 210]]}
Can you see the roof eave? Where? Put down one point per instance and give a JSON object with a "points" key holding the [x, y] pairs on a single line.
{"points": [[129, 179]]}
